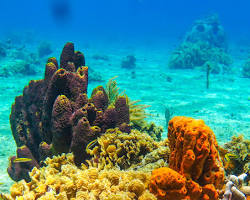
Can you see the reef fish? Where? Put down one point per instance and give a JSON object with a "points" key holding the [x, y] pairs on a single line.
{"points": [[21, 160]]}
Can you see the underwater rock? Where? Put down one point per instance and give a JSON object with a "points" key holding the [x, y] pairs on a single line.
{"points": [[44, 49], [3, 52], [206, 41], [17, 67], [246, 69], [129, 62], [100, 57], [52, 111]]}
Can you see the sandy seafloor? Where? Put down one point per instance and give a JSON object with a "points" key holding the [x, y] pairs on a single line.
{"points": [[225, 107]]}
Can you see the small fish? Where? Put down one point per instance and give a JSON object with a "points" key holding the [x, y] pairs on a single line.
{"points": [[91, 144], [21, 160], [230, 156]]}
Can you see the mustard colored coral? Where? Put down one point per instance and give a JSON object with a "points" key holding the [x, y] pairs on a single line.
{"points": [[61, 179], [124, 150]]}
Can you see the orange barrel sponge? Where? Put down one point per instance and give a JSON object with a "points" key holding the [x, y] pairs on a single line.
{"points": [[166, 183], [194, 151]]}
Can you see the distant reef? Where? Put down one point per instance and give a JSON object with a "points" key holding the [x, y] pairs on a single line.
{"points": [[205, 42]]}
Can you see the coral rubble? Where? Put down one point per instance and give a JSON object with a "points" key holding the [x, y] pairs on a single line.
{"points": [[206, 42], [54, 115]]}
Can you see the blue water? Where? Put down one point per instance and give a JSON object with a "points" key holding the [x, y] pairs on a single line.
{"points": [[149, 29], [124, 19]]}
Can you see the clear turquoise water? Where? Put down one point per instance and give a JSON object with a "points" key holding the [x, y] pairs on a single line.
{"points": [[148, 29]]}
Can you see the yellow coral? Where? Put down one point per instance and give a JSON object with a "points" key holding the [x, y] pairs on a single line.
{"points": [[73, 183], [123, 150]]}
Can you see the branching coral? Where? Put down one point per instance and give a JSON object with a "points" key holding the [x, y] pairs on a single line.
{"points": [[61, 179], [124, 150]]}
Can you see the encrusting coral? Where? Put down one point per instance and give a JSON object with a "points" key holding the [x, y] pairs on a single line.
{"points": [[62, 179], [54, 115]]}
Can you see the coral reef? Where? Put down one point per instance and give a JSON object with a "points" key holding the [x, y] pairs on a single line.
{"points": [[205, 42], [16, 60], [129, 62], [54, 115], [17, 67], [246, 69], [126, 150], [236, 155], [61, 179]]}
